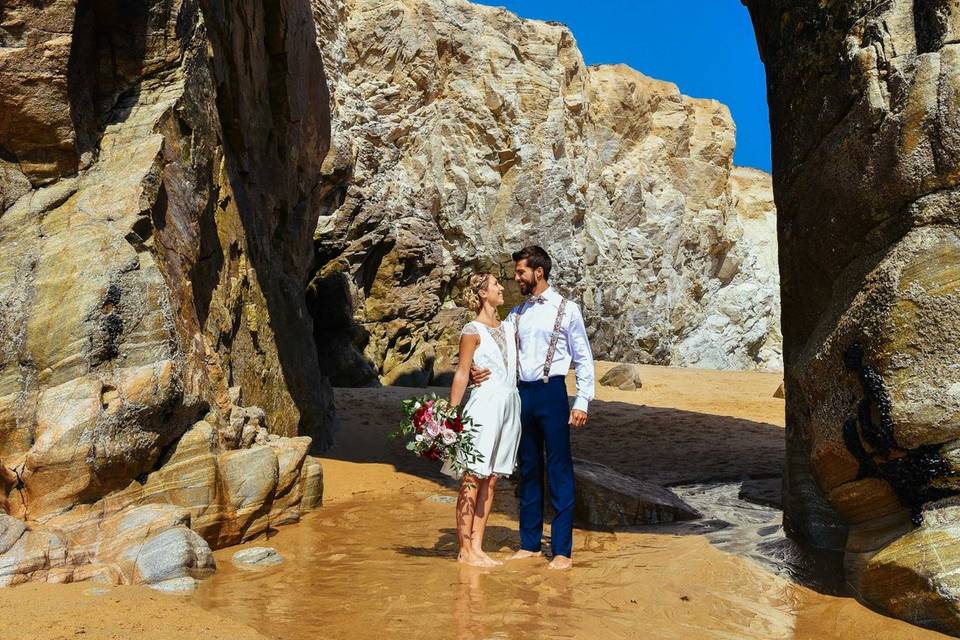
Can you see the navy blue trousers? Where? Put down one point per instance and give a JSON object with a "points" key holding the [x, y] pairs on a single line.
{"points": [[544, 421]]}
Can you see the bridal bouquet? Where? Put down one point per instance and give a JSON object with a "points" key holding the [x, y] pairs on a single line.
{"points": [[436, 430]]}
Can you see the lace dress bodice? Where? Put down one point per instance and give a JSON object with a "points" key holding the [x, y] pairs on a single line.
{"points": [[497, 350]]}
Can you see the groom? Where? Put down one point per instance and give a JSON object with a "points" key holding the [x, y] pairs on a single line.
{"points": [[551, 335]]}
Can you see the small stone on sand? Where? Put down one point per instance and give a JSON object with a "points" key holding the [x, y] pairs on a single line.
{"points": [[257, 557]]}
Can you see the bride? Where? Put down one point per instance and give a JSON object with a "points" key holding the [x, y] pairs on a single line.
{"points": [[494, 407]]}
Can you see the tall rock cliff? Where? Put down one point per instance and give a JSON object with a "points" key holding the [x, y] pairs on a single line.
{"points": [[160, 163], [461, 133], [864, 98]]}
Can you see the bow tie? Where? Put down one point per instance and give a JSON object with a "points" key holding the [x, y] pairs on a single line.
{"points": [[537, 300]]}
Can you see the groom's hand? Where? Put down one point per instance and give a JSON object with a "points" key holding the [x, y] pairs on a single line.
{"points": [[578, 418], [477, 376]]}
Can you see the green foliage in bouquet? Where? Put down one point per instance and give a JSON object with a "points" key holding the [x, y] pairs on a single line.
{"points": [[434, 429]]}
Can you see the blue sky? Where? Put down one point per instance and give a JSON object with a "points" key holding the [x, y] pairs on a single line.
{"points": [[706, 47]]}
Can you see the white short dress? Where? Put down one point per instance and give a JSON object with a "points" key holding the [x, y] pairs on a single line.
{"points": [[494, 406]]}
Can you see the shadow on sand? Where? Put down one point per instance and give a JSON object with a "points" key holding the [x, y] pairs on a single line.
{"points": [[662, 445]]}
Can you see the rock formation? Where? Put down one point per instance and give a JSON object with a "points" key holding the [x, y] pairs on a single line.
{"points": [[159, 530], [626, 377], [160, 170], [864, 98], [607, 498], [461, 133]]}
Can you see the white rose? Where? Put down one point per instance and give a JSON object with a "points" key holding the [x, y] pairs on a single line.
{"points": [[448, 436]]}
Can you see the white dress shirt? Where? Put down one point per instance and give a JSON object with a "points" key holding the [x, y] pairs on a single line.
{"points": [[535, 321]]}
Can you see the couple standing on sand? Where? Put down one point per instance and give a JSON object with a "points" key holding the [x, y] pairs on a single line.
{"points": [[519, 406]]}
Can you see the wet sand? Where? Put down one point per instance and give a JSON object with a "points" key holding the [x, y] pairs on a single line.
{"points": [[377, 561], [384, 568]]}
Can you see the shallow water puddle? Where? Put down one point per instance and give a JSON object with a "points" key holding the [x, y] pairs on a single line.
{"points": [[383, 567], [750, 530]]}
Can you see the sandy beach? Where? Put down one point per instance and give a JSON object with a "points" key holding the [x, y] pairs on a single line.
{"points": [[378, 559]]}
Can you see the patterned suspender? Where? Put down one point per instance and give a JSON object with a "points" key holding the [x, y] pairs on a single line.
{"points": [[516, 335], [554, 337]]}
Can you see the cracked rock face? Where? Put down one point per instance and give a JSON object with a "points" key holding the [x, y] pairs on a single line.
{"points": [[864, 98], [462, 133], [159, 172]]}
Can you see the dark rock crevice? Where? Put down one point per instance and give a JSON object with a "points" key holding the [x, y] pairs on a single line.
{"points": [[273, 155]]}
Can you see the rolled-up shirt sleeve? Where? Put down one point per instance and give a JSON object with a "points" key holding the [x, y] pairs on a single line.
{"points": [[582, 357]]}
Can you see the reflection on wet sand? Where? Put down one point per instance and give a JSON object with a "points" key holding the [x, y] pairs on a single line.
{"points": [[385, 568], [378, 561]]}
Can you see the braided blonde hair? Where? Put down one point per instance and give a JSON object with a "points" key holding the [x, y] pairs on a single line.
{"points": [[475, 284]]}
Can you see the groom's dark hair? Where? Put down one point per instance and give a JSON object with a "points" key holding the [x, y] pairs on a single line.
{"points": [[535, 257]]}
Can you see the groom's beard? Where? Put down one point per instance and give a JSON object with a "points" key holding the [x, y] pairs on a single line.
{"points": [[526, 287]]}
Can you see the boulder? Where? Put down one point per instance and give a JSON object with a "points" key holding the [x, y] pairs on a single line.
{"points": [[132, 527], [625, 377], [863, 99], [607, 498], [921, 567], [27, 554], [288, 495], [312, 484], [175, 554], [91, 438], [153, 544], [249, 478], [190, 479]]}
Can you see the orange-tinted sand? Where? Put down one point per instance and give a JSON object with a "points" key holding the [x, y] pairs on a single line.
{"points": [[94, 612]]}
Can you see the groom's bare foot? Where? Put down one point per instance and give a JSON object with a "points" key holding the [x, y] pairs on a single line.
{"points": [[523, 554], [561, 563]]}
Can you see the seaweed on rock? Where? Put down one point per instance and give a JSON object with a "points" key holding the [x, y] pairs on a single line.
{"points": [[870, 437]]}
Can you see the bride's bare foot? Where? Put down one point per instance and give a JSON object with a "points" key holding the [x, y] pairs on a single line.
{"points": [[472, 559], [523, 554], [491, 562], [561, 563]]}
